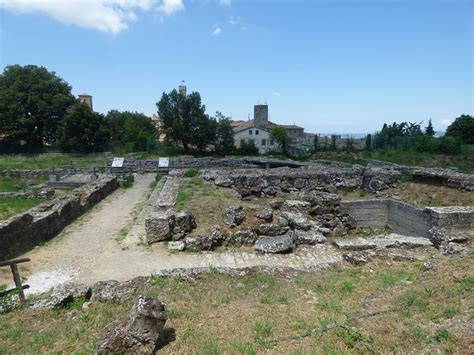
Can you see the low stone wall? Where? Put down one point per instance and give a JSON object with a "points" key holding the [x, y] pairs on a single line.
{"points": [[445, 177], [329, 176], [33, 173], [368, 213], [403, 218], [167, 197], [24, 231]]}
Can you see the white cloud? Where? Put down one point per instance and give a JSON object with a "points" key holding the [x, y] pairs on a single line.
{"points": [[225, 2], [169, 7], [104, 15], [276, 93], [445, 121], [217, 31]]}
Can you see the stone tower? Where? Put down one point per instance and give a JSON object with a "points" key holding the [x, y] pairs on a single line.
{"points": [[182, 89], [260, 115], [87, 99]]}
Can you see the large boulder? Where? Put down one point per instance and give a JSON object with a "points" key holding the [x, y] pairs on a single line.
{"points": [[111, 290], [63, 295], [441, 236], [159, 226], [296, 220], [311, 237], [185, 221], [263, 213], [271, 229], [296, 206], [137, 333], [234, 216], [242, 237], [278, 244]]}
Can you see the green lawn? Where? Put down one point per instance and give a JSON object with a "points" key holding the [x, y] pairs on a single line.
{"points": [[9, 184], [48, 160], [9, 206], [464, 162]]}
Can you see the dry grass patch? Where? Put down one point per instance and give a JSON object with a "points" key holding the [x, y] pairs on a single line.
{"points": [[420, 195], [381, 307], [208, 202]]}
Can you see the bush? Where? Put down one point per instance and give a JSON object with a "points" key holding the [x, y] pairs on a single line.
{"points": [[127, 181], [247, 148], [427, 144], [450, 145], [191, 173]]}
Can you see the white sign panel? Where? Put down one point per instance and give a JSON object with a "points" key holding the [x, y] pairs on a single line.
{"points": [[117, 162], [163, 162]]}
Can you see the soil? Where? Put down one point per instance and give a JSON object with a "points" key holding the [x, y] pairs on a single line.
{"points": [[91, 249]]}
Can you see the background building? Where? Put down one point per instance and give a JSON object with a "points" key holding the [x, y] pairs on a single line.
{"points": [[258, 131]]}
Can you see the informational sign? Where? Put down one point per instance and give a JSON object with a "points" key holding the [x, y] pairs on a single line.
{"points": [[117, 163], [163, 162]]}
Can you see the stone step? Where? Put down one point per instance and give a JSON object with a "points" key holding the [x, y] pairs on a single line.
{"points": [[392, 240]]}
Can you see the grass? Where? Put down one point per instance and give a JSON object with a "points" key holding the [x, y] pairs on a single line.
{"points": [[312, 312], [48, 160], [10, 206], [419, 194], [204, 201], [464, 162], [11, 184]]}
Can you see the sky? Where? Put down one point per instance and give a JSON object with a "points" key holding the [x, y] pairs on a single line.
{"points": [[341, 66]]}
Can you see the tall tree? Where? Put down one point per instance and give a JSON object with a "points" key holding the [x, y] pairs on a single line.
{"points": [[82, 131], [225, 135], [281, 137], [462, 128], [184, 120], [368, 142], [429, 130], [315, 143], [130, 130], [33, 102]]}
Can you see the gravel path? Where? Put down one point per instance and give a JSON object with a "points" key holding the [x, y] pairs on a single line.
{"points": [[90, 249]]}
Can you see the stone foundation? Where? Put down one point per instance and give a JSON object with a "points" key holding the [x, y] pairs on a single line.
{"points": [[26, 230], [406, 219]]}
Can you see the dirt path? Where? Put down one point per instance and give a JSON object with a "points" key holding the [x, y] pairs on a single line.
{"points": [[93, 249]]}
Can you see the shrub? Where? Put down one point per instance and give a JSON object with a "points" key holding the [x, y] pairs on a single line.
{"points": [[191, 173], [450, 145]]}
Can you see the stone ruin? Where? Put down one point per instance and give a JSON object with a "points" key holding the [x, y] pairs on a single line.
{"points": [[305, 209]]}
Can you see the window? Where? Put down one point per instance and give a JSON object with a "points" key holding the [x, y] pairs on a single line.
{"points": [[251, 141], [271, 142], [264, 142], [256, 132], [250, 132], [242, 142]]}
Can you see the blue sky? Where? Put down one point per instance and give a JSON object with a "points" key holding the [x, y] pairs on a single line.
{"points": [[330, 66]]}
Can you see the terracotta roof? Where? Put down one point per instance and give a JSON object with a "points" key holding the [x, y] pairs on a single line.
{"points": [[241, 125], [290, 126]]}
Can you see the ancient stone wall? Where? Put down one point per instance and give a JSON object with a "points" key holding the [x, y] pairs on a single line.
{"points": [[24, 231], [406, 219], [368, 213]]}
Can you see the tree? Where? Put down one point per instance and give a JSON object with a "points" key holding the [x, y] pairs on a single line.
{"points": [[450, 145], [368, 142], [130, 130], [184, 120], [247, 148], [333, 143], [82, 130], [462, 128], [281, 137], [33, 102], [225, 135], [429, 130], [316, 143]]}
